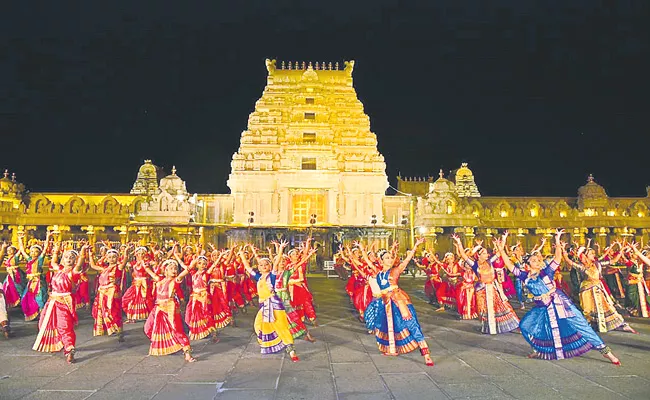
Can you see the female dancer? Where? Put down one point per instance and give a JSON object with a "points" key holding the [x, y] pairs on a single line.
{"points": [[107, 307], [496, 313], [221, 312], [467, 308], [296, 324], [596, 303], [35, 294], [637, 296], [164, 326], [14, 283], [301, 297], [59, 316], [137, 301], [271, 322], [198, 314], [554, 327], [449, 274], [396, 328], [4, 317]]}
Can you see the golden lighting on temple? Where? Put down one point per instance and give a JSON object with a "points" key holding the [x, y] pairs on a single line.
{"points": [[589, 212]]}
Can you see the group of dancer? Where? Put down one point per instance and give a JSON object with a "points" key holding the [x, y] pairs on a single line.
{"points": [[217, 285], [475, 283], [220, 283]]}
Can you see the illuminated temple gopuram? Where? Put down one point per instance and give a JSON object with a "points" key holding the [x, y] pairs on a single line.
{"points": [[308, 163]]}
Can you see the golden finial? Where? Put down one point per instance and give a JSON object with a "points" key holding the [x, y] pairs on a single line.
{"points": [[329, 66], [303, 65], [337, 65], [289, 65], [590, 179], [173, 170], [316, 65], [441, 174], [282, 65], [13, 177], [6, 173]]}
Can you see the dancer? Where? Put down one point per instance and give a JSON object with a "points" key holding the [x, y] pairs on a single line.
{"points": [[597, 305], [554, 327], [221, 312], [496, 313], [301, 297], [198, 314], [35, 294], [59, 316], [107, 307], [14, 283], [4, 317], [297, 326], [637, 297], [164, 326], [271, 322], [137, 301], [396, 328], [467, 308]]}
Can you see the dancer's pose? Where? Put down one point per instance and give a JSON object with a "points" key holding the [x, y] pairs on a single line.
{"points": [[396, 325], [59, 316], [554, 327], [496, 313], [271, 322], [164, 326]]}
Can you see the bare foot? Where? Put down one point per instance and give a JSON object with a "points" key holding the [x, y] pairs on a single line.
{"points": [[628, 328], [309, 338], [428, 361], [189, 358], [215, 339], [612, 358]]}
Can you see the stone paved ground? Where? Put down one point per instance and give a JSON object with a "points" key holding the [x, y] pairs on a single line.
{"points": [[343, 364]]}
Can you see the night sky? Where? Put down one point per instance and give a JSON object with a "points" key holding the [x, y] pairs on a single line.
{"points": [[533, 97]]}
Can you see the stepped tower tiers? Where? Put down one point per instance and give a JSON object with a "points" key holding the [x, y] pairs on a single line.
{"points": [[308, 150]]}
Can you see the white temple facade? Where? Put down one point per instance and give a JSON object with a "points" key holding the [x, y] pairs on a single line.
{"points": [[308, 156]]}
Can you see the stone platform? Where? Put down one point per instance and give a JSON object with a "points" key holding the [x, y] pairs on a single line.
{"points": [[343, 364]]}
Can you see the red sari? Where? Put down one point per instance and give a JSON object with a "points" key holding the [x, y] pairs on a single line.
{"points": [[447, 290], [107, 308], [466, 296], [198, 314], [221, 312], [164, 326], [81, 293], [59, 316], [234, 296], [138, 300], [362, 295], [301, 298]]}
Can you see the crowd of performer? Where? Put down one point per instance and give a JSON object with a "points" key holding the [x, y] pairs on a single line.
{"points": [[152, 283], [479, 283]]}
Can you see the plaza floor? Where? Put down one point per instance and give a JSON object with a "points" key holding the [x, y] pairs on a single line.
{"points": [[343, 364]]}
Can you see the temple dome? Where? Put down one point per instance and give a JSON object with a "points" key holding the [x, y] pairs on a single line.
{"points": [[9, 187], [592, 190], [464, 171], [441, 185], [173, 184]]}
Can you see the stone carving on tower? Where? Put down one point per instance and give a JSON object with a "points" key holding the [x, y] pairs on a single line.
{"points": [[308, 149], [592, 196], [170, 203], [465, 185], [147, 181], [11, 192]]}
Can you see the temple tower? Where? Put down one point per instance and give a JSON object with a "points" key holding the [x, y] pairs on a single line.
{"points": [[308, 150]]}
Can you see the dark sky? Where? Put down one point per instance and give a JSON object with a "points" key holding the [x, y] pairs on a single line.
{"points": [[534, 97]]}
